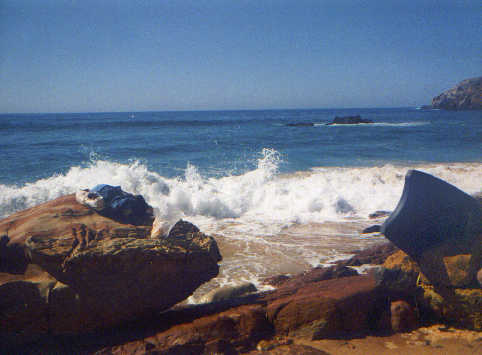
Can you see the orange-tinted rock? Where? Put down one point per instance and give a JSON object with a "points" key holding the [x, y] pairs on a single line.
{"points": [[104, 272], [326, 308], [230, 331], [403, 318]]}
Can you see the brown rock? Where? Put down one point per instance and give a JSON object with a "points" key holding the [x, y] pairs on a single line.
{"points": [[228, 332], [326, 308], [277, 280], [403, 318], [460, 306], [105, 272], [291, 349], [375, 255], [225, 293], [467, 95], [24, 309]]}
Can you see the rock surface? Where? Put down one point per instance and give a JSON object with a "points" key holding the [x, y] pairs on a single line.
{"points": [[226, 293], [374, 255], [434, 221], [467, 95], [84, 271]]}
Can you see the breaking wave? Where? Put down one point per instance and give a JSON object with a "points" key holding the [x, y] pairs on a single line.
{"points": [[261, 201]]}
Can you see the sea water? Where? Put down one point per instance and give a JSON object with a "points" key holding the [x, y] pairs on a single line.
{"points": [[277, 199]]}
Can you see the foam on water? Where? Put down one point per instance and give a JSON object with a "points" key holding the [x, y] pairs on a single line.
{"points": [[261, 200]]}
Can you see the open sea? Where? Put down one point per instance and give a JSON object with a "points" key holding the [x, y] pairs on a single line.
{"points": [[278, 199]]}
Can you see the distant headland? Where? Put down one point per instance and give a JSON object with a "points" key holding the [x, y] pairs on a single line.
{"points": [[467, 95]]}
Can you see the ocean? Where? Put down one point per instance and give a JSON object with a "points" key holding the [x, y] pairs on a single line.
{"points": [[278, 199]]}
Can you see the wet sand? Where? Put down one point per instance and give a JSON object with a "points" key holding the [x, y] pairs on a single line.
{"points": [[298, 248]]}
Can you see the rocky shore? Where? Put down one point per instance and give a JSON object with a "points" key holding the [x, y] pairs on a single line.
{"points": [[73, 280]]}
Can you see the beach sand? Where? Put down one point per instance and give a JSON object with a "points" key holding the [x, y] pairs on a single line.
{"points": [[431, 340]]}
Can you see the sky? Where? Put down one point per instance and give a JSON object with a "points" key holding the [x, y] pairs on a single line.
{"points": [[90, 56]]}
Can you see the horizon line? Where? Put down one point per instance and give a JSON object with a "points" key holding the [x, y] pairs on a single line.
{"points": [[207, 110]]}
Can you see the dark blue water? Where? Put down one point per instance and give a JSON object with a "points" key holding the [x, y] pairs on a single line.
{"points": [[219, 143]]}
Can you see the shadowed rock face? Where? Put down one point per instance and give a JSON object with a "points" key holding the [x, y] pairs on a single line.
{"points": [[466, 95], [431, 212], [93, 272], [440, 228]]}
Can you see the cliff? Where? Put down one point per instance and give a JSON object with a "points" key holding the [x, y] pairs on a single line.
{"points": [[467, 95]]}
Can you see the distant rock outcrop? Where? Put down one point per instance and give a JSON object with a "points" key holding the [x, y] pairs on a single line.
{"points": [[467, 95]]}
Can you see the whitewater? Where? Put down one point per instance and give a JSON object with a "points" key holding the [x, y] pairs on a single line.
{"points": [[265, 222]]}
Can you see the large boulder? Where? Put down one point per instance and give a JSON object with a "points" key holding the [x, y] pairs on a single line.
{"points": [[439, 231], [435, 221], [467, 95], [330, 308], [92, 271]]}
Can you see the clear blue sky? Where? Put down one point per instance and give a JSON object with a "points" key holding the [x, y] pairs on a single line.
{"points": [[106, 55]]}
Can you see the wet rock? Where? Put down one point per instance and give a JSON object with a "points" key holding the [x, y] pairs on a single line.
{"points": [[372, 229], [277, 280], [181, 228], [317, 274], [228, 292], [325, 309], [375, 255]]}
